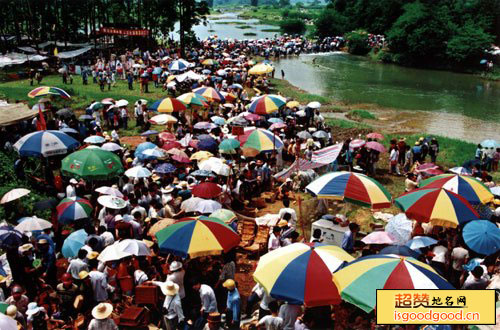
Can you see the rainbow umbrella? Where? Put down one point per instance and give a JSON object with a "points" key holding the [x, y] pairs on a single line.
{"points": [[353, 187], [48, 90], [474, 191], [359, 280], [209, 62], [263, 141], [73, 208], [436, 205], [197, 237], [266, 104], [167, 105], [210, 94], [193, 99], [301, 273]]}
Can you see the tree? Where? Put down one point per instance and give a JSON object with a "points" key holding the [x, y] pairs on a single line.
{"points": [[357, 42], [331, 23], [190, 13], [284, 3], [468, 45], [293, 26], [254, 3]]}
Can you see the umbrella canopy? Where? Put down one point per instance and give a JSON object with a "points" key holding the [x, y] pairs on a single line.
{"points": [[460, 171], [171, 145], [229, 145], [277, 126], [178, 65], [201, 155], [111, 191], [190, 204], [482, 236], [133, 247], [163, 119], [108, 101], [96, 106], [400, 227], [149, 132], [400, 250], [375, 135], [193, 99], [210, 94], [7, 322], [10, 236], [14, 194], [261, 69], [121, 103], [429, 169], [359, 280], [275, 120], [474, 191], [357, 143], [204, 125], [438, 206], [207, 206], [111, 146], [225, 215], [376, 146], [420, 241], [73, 243], [73, 208], [111, 202], [320, 134], [215, 165], [489, 144], [138, 172], [252, 117], [304, 135], [263, 141], [378, 237], [218, 120], [206, 190], [153, 153], [266, 104], [45, 143], [48, 90], [167, 105], [27, 224], [165, 168], [65, 112], [111, 253], [94, 139], [301, 273], [166, 136], [163, 223], [353, 187], [209, 61], [202, 173], [94, 164], [314, 105], [197, 237], [293, 104], [143, 147]]}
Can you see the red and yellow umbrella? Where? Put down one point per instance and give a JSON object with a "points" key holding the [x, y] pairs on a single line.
{"points": [[48, 90], [267, 104], [210, 94], [193, 99], [167, 105]]}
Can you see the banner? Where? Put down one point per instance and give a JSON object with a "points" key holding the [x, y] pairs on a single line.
{"points": [[327, 155], [125, 32]]}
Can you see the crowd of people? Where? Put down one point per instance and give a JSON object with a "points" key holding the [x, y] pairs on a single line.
{"points": [[45, 290]]}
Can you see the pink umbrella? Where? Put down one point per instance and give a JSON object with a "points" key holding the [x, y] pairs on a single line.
{"points": [[181, 159], [252, 117], [167, 136], [356, 143], [204, 125], [374, 135], [277, 126], [376, 146], [378, 237]]}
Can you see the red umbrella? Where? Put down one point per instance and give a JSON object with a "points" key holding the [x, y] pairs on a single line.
{"points": [[376, 146], [171, 144], [206, 190], [193, 143], [374, 135], [167, 136], [181, 159]]}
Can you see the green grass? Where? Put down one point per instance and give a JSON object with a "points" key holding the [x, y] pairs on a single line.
{"points": [[361, 114], [289, 90], [244, 27], [346, 124]]}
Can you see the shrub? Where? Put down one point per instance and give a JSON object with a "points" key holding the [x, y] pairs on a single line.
{"points": [[293, 26], [357, 42], [361, 114]]}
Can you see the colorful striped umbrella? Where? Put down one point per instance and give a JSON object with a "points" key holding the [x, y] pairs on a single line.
{"points": [[210, 94], [482, 236], [474, 191], [266, 104], [209, 61], [353, 187], [73, 208], [94, 164], [167, 105], [206, 190], [460, 171], [301, 273], [436, 205], [197, 237], [193, 99], [359, 280], [263, 141], [48, 90], [179, 65], [45, 143]]}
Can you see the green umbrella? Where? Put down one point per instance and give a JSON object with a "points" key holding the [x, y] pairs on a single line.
{"points": [[3, 307], [96, 106], [224, 215], [229, 145], [93, 164]]}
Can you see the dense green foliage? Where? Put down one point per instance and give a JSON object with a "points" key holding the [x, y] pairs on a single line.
{"points": [[419, 32], [357, 42], [293, 26]]}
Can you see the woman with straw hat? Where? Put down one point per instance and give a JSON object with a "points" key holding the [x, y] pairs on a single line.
{"points": [[173, 315], [101, 320]]}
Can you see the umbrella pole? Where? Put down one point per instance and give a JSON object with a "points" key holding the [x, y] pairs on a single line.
{"points": [[299, 202]]}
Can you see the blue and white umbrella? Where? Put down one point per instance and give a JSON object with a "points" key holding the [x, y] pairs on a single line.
{"points": [[179, 65], [420, 241], [94, 139], [142, 147], [74, 243], [10, 236], [461, 171], [490, 144], [236, 86], [202, 173], [153, 153], [138, 172], [218, 120], [400, 227], [45, 143], [165, 168], [69, 130]]}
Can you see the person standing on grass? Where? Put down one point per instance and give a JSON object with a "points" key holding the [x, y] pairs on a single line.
{"points": [[130, 80], [124, 117], [138, 114], [393, 161]]}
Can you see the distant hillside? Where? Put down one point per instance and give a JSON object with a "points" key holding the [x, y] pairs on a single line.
{"points": [[247, 2]]}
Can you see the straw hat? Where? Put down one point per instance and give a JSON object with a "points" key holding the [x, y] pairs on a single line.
{"points": [[83, 274], [25, 247], [169, 288], [282, 223], [183, 185], [92, 255], [167, 190], [229, 284], [175, 265], [102, 311], [11, 311], [155, 177]]}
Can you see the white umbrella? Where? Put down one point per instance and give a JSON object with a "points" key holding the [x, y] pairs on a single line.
{"points": [[400, 227], [154, 153], [7, 323], [13, 195], [314, 105], [190, 204], [163, 119], [121, 103], [111, 146], [208, 206], [111, 191], [133, 247], [138, 172], [112, 202], [33, 224], [94, 139], [111, 253], [301, 113], [215, 165]]}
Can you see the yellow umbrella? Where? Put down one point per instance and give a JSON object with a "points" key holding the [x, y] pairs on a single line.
{"points": [[293, 104], [201, 155], [260, 69], [163, 223], [170, 78]]}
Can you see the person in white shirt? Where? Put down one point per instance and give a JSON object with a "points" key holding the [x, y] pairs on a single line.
{"points": [[440, 256], [177, 276], [273, 321], [274, 239], [71, 188], [287, 209], [208, 302], [77, 265], [289, 313], [172, 308]]}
